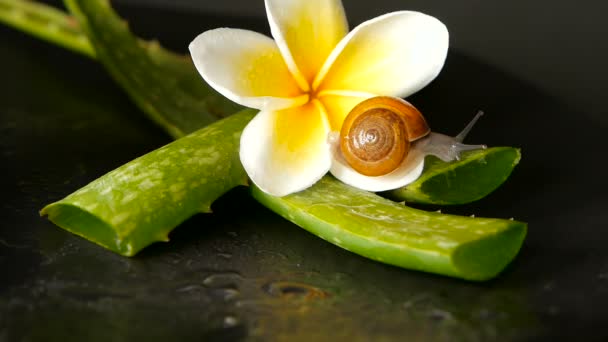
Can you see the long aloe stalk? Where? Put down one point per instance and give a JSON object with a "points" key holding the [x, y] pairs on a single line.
{"points": [[382, 230], [468, 248], [46, 23]]}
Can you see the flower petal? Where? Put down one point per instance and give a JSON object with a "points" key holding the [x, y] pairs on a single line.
{"points": [[286, 151], [306, 32], [409, 171], [246, 67], [395, 54], [339, 104]]}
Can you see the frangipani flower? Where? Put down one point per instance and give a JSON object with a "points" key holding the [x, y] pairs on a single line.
{"points": [[306, 80]]}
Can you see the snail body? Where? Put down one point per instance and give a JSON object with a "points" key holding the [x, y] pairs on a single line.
{"points": [[383, 142], [376, 135]]}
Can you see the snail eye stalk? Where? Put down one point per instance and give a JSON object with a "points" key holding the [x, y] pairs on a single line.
{"points": [[449, 148], [467, 129]]}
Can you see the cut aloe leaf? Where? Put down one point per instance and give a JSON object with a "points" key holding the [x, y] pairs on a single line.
{"points": [[164, 84], [47, 23], [471, 178], [170, 91], [142, 201], [382, 230]]}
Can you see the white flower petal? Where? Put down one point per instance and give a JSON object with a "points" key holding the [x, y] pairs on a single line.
{"points": [[286, 151], [409, 171], [306, 32], [395, 54], [246, 67]]}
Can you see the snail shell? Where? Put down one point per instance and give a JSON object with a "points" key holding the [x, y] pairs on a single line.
{"points": [[377, 133]]}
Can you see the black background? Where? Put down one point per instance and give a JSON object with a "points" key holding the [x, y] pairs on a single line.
{"points": [[536, 67]]}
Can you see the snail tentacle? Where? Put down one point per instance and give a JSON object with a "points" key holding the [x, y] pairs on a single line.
{"points": [[449, 148], [467, 129]]}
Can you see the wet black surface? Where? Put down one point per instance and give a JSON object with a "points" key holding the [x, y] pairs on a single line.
{"points": [[255, 276]]}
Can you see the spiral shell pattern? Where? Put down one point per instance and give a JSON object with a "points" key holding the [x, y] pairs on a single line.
{"points": [[376, 135]]}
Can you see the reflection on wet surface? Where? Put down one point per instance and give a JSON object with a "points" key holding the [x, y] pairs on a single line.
{"points": [[259, 295], [293, 290]]}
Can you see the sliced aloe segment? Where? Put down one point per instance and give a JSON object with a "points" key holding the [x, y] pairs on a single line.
{"points": [[142, 201], [164, 84], [471, 178], [47, 23], [114, 210], [382, 230]]}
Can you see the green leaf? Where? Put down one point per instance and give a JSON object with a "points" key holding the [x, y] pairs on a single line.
{"points": [[471, 178], [382, 230], [142, 201], [164, 85]]}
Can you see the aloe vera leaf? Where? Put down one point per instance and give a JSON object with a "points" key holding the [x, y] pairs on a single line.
{"points": [[142, 201], [151, 81], [47, 23], [164, 84], [471, 178], [470, 258], [382, 230]]}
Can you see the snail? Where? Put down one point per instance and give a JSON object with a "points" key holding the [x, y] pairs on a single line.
{"points": [[383, 142], [377, 133]]}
